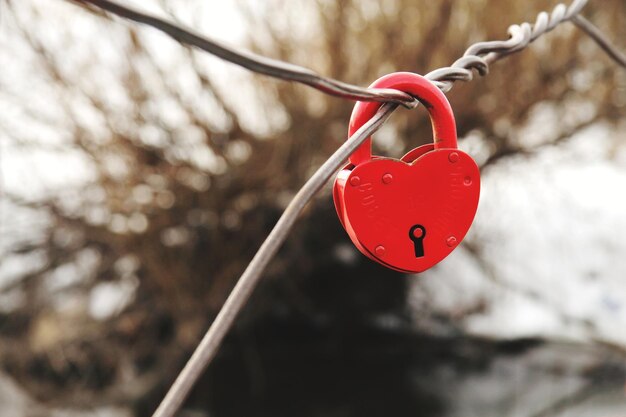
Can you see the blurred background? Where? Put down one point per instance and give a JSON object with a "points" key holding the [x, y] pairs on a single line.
{"points": [[139, 177]]}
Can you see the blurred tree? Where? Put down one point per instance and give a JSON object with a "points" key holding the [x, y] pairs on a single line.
{"points": [[188, 163]]}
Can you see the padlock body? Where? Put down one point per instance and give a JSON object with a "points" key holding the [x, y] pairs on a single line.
{"points": [[408, 214], [342, 176], [381, 200]]}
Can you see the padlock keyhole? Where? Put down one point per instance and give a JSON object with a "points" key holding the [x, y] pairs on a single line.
{"points": [[417, 234]]}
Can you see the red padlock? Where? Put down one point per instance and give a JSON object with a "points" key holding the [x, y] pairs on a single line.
{"points": [[410, 213]]}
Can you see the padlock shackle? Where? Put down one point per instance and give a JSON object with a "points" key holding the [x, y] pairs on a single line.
{"points": [[441, 116]]}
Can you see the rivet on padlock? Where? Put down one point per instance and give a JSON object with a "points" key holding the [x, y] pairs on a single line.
{"points": [[433, 190]]}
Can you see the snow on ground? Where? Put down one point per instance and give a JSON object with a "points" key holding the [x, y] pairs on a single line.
{"points": [[551, 234]]}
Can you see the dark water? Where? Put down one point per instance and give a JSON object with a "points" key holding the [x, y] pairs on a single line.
{"points": [[294, 370], [314, 346]]}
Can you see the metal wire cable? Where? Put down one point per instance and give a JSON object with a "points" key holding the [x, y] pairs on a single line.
{"points": [[477, 57], [591, 30], [257, 63], [224, 320]]}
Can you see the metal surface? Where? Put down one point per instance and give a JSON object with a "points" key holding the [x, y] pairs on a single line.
{"points": [[477, 57], [437, 194], [383, 202]]}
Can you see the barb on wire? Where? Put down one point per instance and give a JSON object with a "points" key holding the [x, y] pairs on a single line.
{"points": [[477, 57]]}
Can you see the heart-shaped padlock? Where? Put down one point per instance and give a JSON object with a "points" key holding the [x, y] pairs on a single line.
{"points": [[408, 214]]}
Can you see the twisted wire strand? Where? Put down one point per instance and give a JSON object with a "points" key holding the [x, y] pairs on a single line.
{"points": [[254, 62], [477, 58], [479, 55]]}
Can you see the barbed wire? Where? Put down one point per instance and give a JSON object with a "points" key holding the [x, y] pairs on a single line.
{"points": [[477, 58]]}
